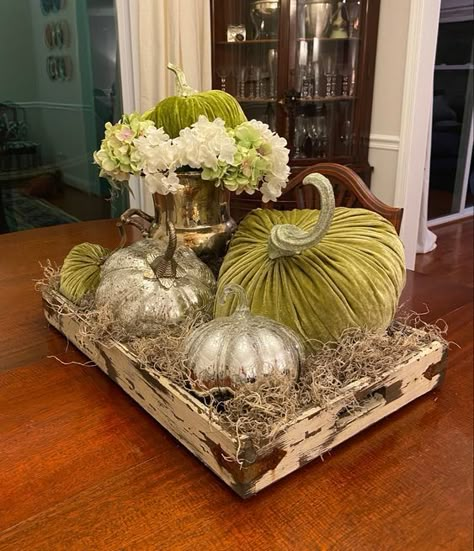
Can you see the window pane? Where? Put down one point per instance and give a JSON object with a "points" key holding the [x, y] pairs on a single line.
{"points": [[59, 87]]}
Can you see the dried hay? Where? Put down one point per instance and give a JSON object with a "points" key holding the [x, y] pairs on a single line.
{"points": [[260, 411]]}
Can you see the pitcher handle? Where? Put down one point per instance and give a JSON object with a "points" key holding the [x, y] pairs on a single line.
{"points": [[137, 218]]}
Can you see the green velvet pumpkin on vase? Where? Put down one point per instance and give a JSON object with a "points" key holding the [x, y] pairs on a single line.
{"points": [[181, 111], [319, 272]]}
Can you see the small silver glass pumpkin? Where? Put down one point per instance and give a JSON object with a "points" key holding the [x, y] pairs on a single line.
{"points": [[231, 351], [150, 283]]}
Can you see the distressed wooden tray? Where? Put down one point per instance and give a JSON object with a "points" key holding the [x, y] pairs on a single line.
{"points": [[313, 433]]}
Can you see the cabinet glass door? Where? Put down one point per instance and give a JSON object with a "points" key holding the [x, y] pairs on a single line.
{"points": [[323, 79], [246, 52]]}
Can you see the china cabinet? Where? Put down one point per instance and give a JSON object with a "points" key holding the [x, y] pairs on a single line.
{"points": [[305, 67]]}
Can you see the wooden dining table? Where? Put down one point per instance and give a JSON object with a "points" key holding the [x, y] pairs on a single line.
{"points": [[83, 467]]}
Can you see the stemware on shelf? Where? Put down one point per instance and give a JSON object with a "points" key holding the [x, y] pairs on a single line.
{"points": [[352, 65], [301, 133], [252, 82], [241, 82], [259, 82], [346, 137], [345, 73], [322, 131], [307, 82], [272, 57], [223, 72], [329, 66], [351, 11], [316, 68], [313, 135]]}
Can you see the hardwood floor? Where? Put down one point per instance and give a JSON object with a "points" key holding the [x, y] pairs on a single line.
{"points": [[453, 256]]}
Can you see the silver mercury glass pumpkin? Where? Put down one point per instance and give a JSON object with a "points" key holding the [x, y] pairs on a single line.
{"points": [[150, 283], [229, 352]]}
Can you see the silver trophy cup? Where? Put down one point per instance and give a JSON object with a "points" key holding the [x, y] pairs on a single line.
{"points": [[317, 18]]}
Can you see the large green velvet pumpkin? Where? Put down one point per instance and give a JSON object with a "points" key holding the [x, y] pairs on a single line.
{"points": [[180, 111], [80, 272], [319, 272]]}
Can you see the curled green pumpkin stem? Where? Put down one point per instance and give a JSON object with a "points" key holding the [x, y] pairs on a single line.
{"points": [[242, 302], [288, 239], [182, 87]]}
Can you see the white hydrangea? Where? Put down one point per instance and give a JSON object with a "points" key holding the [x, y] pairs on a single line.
{"points": [[247, 158], [204, 144]]}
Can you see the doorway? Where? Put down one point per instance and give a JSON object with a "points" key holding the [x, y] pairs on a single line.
{"points": [[451, 189], [60, 84]]}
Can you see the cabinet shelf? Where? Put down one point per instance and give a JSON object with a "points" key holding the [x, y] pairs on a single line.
{"points": [[256, 100], [320, 99], [329, 39], [247, 42]]}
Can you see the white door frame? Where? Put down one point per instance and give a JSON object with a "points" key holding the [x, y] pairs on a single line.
{"points": [[415, 121]]}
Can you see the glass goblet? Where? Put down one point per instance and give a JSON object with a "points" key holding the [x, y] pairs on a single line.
{"points": [[223, 73]]}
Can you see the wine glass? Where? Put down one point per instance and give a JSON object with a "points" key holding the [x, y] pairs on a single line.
{"points": [[346, 136], [252, 82], [352, 62], [345, 73], [223, 72], [241, 82], [351, 13], [322, 131], [272, 71], [329, 67], [301, 133], [259, 82], [313, 135]]}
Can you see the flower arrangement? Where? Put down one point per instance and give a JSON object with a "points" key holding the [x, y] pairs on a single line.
{"points": [[246, 158]]}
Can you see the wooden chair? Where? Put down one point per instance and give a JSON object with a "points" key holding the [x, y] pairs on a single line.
{"points": [[349, 191]]}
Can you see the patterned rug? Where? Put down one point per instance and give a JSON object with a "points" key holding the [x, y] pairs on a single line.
{"points": [[23, 212]]}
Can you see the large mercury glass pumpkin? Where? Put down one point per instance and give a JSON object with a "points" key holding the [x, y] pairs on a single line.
{"points": [[241, 348], [151, 283], [319, 272], [183, 110], [80, 272]]}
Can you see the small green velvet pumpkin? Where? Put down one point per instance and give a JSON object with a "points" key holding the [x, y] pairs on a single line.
{"points": [[80, 272], [180, 111], [319, 272]]}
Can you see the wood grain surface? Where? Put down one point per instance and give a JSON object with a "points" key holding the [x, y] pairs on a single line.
{"points": [[84, 467]]}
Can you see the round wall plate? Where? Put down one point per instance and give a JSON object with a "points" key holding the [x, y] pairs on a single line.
{"points": [[58, 35], [66, 33], [52, 67], [46, 6], [49, 36], [67, 61]]}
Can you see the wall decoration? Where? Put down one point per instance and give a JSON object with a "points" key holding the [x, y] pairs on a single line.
{"points": [[51, 6], [49, 36], [59, 67]]}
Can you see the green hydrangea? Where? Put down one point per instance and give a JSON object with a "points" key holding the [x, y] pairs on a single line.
{"points": [[117, 156], [252, 161]]}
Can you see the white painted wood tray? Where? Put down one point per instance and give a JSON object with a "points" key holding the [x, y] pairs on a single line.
{"points": [[313, 433]]}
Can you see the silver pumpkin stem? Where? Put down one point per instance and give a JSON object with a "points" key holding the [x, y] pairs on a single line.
{"points": [[182, 87], [165, 266], [288, 239], [242, 302]]}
